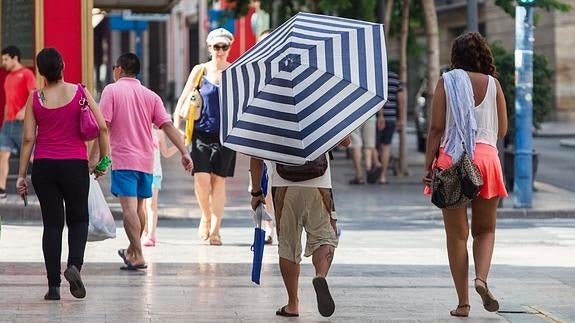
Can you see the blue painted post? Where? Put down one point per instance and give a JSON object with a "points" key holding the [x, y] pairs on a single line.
{"points": [[523, 185], [139, 49]]}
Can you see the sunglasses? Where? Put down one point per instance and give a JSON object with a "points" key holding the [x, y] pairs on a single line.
{"points": [[218, 47]]}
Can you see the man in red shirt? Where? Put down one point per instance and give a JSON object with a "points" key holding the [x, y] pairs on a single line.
{"points": [[18, 84]]}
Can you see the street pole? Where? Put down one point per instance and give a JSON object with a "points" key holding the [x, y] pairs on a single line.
{"points": [[472, 24], [523, 183]]}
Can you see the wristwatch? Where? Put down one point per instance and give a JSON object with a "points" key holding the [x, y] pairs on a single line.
{"points": [[256, 193]]}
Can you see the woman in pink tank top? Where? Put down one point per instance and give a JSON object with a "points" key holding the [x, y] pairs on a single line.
{"points": [[60, 172], [471, 53]]}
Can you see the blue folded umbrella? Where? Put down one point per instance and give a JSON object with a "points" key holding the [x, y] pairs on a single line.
{"points": [[258, 249], [259, 242], [265, 180]]}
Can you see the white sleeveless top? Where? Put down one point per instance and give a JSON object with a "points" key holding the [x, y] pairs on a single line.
{"points": [[157, 157], [486, 116]]}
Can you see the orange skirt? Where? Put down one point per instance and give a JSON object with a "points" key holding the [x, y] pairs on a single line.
{"points": [[487, 160]]}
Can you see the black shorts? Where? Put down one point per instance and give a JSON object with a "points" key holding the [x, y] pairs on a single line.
{"points": [[210, 156], [385, 136]]}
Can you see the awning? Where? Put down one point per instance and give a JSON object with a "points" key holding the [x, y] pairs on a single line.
{"points": [[156, 6]]}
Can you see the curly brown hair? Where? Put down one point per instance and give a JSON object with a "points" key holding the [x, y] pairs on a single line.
{"points": [[470, 52]]}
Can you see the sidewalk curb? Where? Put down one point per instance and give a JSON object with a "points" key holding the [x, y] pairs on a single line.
{"points": [[554, 135], [567, 143], [17, 214], [512, 213]]}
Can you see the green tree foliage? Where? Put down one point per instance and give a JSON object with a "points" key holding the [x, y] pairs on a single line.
{"points": [[362, 10], [416, 23], [509, 6], [285, 9], [542, 94]]}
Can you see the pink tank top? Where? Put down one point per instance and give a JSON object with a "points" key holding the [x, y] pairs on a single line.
{"points": [[58, 135]]}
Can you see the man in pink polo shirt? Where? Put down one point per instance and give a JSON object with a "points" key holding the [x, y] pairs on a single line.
{"points": [[130, 109]]}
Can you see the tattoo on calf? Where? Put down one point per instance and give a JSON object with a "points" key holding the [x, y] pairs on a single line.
{"points": [[329, 255]]}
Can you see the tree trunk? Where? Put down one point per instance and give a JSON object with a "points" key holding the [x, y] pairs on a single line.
{"points": [[381, 11], [432, 37], [387, 16], [403, 169]]}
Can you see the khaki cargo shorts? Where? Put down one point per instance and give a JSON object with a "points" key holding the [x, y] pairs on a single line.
{"points": [[298, 208], [364, 136]]}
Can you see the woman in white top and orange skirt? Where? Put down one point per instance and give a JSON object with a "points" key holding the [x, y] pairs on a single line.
{"points": [[471, 54]]}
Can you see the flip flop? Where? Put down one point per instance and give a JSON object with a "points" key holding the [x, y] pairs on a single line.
{"points": [[325, 304], [132, 267], [282, 312], [461, 311], [122, 254], [356, 181], [373, 174]]}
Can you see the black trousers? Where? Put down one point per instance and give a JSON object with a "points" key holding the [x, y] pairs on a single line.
{"points": [[57, 182]]}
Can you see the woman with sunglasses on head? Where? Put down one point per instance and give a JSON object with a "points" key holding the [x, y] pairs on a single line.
{"points": [[212, 161]]}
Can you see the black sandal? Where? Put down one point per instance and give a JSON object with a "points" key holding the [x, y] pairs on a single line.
{"points": [[456, 312], [356, 181], [282, 312]]}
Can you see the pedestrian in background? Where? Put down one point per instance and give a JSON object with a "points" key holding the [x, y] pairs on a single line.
{"points": [[60, 172], [160, 149], [363, 145], [212, 161], [18, 85], [471, 54], [130, 109], [389, 121]]}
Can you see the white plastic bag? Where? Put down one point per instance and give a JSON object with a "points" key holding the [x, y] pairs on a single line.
{"points": [[261, 214], [102, 225]]}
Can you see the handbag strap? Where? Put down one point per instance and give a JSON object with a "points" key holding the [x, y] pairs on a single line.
{"points": [[83, 100], [198, 79]]}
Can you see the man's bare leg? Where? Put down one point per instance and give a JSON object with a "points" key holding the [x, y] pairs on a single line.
{"points": [[322, 258], [290, 274], [367, 154], [142, 215], [356, 159], [4, 165], [385, 156], [133, 228]]}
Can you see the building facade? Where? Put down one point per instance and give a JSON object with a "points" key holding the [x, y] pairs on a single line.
{"points": [[553, 38]]}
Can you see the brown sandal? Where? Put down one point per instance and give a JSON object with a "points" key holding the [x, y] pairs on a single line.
{"points": [[460, 312], [490, 304], [204, 229], [215, 239]]}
